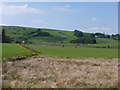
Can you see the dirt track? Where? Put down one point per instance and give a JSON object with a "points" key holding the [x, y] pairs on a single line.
{"points": [[50, 72]]}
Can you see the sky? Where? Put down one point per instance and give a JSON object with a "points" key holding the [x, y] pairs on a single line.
{"points": [[85, 16]]}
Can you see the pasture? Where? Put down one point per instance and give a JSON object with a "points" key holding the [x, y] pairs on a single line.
{"points": [[11, 50], [104, 42], [75, 52]]}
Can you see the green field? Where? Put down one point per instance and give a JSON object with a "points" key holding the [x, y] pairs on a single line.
{"points": [[72, 52], [11, 50], [58, 38]]}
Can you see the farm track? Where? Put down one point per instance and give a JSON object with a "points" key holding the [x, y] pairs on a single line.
{"points": [[51, 72]]}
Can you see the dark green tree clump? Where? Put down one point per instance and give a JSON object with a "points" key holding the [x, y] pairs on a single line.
{"points": [[78, 33], [116, 36], [84, 40], [41, 33], [90, 35], [100, 35], [5, 39]]}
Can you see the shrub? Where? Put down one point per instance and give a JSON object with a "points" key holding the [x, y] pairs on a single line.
{"points": [[78, 33], [84, 40]]}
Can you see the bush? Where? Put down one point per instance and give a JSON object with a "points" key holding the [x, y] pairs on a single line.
{"points": [[43, 34], [84, 40], [90, 35], [78, 33]]}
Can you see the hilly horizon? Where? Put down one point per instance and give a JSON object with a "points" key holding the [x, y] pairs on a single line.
{"points": [[30, 34], [55, 35]]}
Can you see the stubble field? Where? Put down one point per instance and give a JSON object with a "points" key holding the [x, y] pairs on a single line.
{"points": [[52, 72]]}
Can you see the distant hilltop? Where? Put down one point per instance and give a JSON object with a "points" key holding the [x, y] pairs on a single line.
{"points": [[37, 35]]}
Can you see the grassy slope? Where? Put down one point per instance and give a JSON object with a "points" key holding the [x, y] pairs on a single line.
{"points": [[11, 50], [59, 51], [56, 36], [19, 31], [104, 42]]}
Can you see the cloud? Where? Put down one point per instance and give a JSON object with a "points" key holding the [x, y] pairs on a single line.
{"points": [[65, 8], [93, 19], [106, 29], [15, 9], [37, 21], [94, 28], [67, 5], [100, 29], [2, 24]]}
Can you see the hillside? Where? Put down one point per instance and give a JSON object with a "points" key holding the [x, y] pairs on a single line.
{"points": [[17, 32], [55, 35]]}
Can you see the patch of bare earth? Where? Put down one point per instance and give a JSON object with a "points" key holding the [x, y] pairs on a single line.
{"points": [[50, 72]]}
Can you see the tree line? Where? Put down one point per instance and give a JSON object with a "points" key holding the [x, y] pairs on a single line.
{"points": [[78, 33], [84, 40], [90, 37]]}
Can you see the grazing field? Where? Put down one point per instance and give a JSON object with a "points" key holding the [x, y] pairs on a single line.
{"points": [[11, 50], [56, 35], [104, 42], [75, 52], [50, 72], [103, 45]]}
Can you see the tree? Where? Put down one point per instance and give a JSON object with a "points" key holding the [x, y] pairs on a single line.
{"points": [[23, 28], [92, 35], [100, 35], [78, 33], [5, 39], [3, 35], [113, 35], [40, 33], [38, 29], [107, 36], [117, 35]]}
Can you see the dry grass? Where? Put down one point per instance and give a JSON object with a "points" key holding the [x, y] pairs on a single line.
{"points": [[50, 72]]}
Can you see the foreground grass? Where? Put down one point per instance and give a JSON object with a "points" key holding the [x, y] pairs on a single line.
{"points": [[11, 50], [50, 72], [75, 52]]}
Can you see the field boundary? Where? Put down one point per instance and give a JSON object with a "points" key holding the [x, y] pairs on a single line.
{"points": [[33, 53], [33, 50]]}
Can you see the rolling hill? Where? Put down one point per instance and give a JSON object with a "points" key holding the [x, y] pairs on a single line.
{"points": [[16, 32], [55, 35]]}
